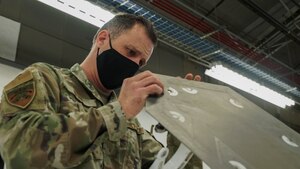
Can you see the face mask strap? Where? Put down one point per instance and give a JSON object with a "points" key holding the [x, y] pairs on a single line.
{"points": [[109, 45], [110, 42], [98, 51]]}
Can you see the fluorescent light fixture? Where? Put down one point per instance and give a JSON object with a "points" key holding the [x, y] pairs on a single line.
{"points": [[81, 9], [243, 83]]}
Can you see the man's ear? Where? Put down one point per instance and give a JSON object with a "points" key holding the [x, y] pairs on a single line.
{"points": [[101, 37]]}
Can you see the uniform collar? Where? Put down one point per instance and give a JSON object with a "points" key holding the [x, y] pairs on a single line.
{"points": [[78, 72]]}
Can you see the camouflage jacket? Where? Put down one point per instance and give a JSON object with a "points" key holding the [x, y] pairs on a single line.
{"points": [[173, 143], [52, 117]]}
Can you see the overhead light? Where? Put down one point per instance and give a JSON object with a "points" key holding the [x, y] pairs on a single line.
{"points": [[82, 9], [243, 83]]}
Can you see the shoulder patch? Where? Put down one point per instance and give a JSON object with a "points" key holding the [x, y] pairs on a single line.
{"points": [[21, 91]]}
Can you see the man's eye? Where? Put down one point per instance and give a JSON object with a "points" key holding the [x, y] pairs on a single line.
{"points": [[142, 63], [131, 53]]}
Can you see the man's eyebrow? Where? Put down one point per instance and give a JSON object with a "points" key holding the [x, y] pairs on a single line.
{"points": [[133, 48]]}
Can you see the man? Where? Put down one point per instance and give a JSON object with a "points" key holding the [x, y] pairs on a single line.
{"points": [[52, 117]]}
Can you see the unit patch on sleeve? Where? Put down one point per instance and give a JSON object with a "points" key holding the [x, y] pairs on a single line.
{"points": [[21, 91]]}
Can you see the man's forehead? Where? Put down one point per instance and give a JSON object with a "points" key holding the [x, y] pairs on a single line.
{"points": [[139, 39]]}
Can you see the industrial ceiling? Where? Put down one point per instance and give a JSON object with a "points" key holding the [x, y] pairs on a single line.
{"points": [[258, 38]]}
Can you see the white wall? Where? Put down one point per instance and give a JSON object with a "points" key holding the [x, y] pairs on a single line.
{"points": [[7, 73]]}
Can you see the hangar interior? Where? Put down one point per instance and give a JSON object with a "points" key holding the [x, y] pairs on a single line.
{"points": [[260, 39]]}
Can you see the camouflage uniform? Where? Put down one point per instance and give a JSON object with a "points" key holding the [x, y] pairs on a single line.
{"points": [[173, 144], [55, 118]]}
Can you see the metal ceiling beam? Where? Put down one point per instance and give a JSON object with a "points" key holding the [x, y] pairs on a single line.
{"points": [[214, 8], [295, 3], [210, 54], [274, 51], [203, 17], [229, 33], [274, 33], [286, 7], [256, 9], [232, 45], [183, 43], [203, 62]]}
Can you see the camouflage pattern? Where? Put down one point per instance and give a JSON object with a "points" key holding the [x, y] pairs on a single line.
{"points": [[52, 117], [173, 144]]}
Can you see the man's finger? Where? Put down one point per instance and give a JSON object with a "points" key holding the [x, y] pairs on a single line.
{"points": [[142, 75], [149, 81], [153, 89], [189, 76], [197, 78]]}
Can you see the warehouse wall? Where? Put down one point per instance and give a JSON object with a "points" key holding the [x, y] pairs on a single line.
{"points": [[7, 73]]}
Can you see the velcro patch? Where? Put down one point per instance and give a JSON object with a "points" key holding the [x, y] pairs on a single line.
{"points": [[21, 91]]}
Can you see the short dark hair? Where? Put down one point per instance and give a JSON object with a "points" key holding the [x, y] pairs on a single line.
{"points": [[123, 22]]}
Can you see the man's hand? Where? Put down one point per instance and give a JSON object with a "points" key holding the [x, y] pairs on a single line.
{"points": [[190, 76], [135, 91]]}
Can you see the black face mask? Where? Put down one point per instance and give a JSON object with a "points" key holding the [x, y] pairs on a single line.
{"points": [[113, 68]]}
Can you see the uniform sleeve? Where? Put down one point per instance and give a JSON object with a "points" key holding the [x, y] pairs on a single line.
{"points": [[173, 144], [114, 119], [34, 134], [150, 149]]}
